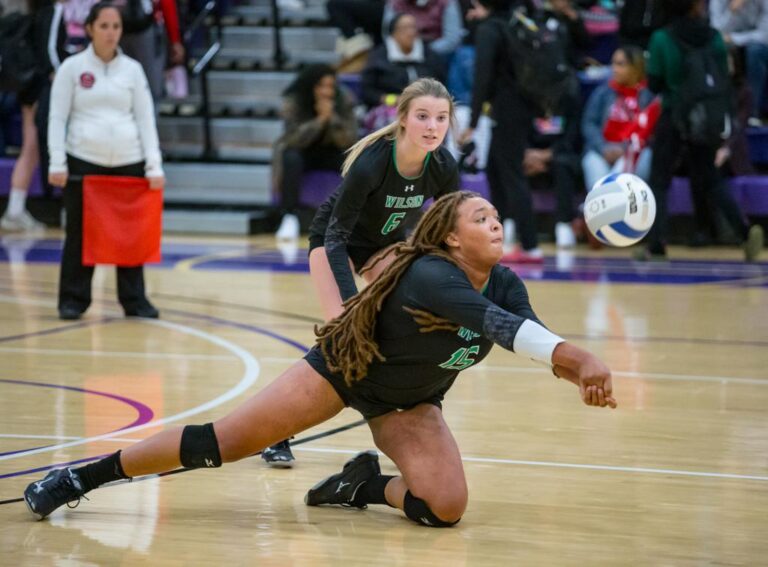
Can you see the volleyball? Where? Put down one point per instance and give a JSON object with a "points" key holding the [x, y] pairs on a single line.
{"points": [[620, 209]]}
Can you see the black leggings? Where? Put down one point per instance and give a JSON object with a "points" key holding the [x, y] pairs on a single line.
{"points": [[706, 186]]}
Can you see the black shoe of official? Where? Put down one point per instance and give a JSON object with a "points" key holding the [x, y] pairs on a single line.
{"points": [[145, 310], [342, 487], [69, 313], [279, 455], [59, 487]]}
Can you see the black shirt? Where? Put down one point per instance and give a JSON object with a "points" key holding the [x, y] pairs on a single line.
{"points": [[421, 367], [375, 206]]}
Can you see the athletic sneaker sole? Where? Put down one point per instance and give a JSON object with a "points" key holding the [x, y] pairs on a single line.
{"points": [[369, 456]]}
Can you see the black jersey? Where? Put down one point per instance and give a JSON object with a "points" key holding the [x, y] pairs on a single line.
{"points": [[421, 367], [374, 206]]}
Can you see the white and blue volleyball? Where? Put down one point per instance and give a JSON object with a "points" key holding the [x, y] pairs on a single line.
{"points": [[620, 209]]}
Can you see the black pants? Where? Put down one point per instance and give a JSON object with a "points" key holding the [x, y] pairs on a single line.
{"points": [[510, 192], [75, 279], [563, 175], [706, 186], [351, 15], [296, 162]]}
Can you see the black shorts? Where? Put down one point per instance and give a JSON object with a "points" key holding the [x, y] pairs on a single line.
{"points": [[363, 396], [358, 254]]}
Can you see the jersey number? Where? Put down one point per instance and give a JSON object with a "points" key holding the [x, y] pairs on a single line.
{"points": [[392, 222], [461, 358]]}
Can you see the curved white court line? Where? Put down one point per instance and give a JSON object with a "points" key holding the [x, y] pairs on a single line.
{"points": [[249, 378], [566, 465], [116, 353]]}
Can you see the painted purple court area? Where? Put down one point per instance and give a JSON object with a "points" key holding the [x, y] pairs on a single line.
{"points": [[566, 267], [145, 413]]}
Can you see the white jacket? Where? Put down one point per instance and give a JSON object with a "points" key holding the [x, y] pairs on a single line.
{"points": [[102, 113]]}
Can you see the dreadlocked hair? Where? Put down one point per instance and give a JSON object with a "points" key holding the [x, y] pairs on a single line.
{"points": [[347, 342]]}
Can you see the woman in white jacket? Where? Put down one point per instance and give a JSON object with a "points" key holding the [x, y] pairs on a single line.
{"points": [[101, 122]]}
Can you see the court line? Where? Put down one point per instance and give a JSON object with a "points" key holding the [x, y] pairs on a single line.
{"points": [[249, 378], [145, 413], [61, 437], [116, 353], [554, 464]]}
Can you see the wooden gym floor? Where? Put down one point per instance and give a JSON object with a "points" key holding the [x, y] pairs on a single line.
{"points": [[678, 475]]}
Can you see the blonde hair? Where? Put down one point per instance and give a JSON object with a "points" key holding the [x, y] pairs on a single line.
{"points": [[348, 342], [420, 87]]}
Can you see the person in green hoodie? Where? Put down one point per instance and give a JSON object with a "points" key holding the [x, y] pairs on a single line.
{"points": [[673, 51]]}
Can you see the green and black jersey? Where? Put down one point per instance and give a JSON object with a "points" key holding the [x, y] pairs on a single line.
{"points": [[421, 367], [375, 205]]}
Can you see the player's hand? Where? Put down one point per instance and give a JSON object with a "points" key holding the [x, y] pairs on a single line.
{"points": [[156, 182], [595, 385], [58, 179]]}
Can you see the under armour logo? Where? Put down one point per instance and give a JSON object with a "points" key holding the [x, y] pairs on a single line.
{"points": [[409, 188], [342, 485], [209, 463]]}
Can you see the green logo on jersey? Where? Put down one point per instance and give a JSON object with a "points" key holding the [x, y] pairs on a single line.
{"points": [[392, 222], [414, 202], [466, 334], [460, 359]]}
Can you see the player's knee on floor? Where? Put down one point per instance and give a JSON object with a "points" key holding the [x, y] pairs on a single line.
{"points": [[199, 447], [418, 511]]}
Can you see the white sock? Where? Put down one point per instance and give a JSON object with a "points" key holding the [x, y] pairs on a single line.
{"points": [[17, 200]]}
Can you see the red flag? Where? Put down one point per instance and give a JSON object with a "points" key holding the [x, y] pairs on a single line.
{"points": [[122, 221]]}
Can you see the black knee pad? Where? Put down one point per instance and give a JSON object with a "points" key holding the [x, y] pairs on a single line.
{"points": [[199, 447], [418, 511]]}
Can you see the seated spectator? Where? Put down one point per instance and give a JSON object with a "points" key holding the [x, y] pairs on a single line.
{"points": [[391, 67], [438, 22], [552, 160], [612, 116], [359, 22], [319, 127], [744, 25]]}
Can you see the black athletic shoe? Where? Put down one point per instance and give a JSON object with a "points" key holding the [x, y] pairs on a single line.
{"points": [[279, 455], [59, 487], [144, 310], [342, 487], [69, 313]]}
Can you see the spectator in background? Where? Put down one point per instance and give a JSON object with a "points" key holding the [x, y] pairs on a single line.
{"points": [[391, 67], [552, 160], [612, 116], [319, 126], [438, 21], [665, 64], [563, 12], [16, 217], [102, 122], [744, 25], [496, 83], [50, 42], [462, 67], [152, 37], [359, 22], [638, 19]]}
